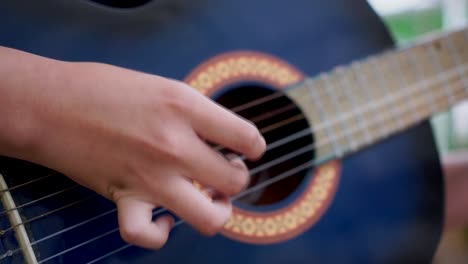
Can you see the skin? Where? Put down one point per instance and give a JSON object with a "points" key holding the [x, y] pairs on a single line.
{"points": [[139, 140], [132, 137]]}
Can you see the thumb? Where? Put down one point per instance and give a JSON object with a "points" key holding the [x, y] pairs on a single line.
{"points": [[136, 225]]}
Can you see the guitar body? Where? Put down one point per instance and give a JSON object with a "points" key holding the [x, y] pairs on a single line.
{"points": [[386, 207]]}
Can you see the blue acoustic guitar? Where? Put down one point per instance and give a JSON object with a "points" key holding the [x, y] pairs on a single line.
{"points": [[351, 174]]}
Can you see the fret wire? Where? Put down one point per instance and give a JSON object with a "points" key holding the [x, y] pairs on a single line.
{"points": [[364, 126], [328, 157], [383, 83], [452, 53], [363, 81], [436, 64], [322, 115], [419, 71], [179, 222], [433, 54], [329, 91], [372, 63], [403, 83]]}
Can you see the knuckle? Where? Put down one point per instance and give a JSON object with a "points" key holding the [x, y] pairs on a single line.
{"points": [[175, 97], [163, 144], [114, 191], [172, 148]]}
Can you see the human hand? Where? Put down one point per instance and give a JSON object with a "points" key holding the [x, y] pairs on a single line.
{"points": [[132, 137]]}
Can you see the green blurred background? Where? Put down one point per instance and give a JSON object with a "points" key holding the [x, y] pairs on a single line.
{"points": [[409, 19]]}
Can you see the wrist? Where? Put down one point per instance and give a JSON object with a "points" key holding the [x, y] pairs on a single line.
{"points": [[24, 79]]}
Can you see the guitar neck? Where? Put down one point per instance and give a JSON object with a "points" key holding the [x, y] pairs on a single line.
{"points": [[354, 106]]}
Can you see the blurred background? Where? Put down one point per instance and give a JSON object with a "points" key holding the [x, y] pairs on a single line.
{"points": [[407, 20]]}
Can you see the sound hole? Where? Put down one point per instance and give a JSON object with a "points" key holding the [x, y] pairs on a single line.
{"points": [[282, 118]]}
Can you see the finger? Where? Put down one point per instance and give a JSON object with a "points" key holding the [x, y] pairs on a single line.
{"points": [[210, 168], [218, 125], [204, 214], [136, 225]]}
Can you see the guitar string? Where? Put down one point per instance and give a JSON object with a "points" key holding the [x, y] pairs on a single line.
{"points": [[284, 175], [39, 199], [249, 104], [279, 177], [236, 109], [259, 118], [278, 143], [46, 176], [108, 232], [291, 135], [463, 79], [256, 119], [241, 107], [29, 182], [250, 190], [4, 231], [300, 117], [409, 89]]}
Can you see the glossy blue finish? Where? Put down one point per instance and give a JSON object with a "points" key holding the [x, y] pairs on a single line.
{"points": [[388, 208]]}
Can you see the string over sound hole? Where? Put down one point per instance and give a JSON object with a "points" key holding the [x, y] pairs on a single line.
{"points": [[279, 119]]}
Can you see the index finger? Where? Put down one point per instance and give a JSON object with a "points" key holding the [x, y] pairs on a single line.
{"points": [[219, 125]]}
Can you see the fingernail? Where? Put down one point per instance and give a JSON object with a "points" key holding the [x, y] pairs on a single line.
{"points": [[263, 142], [260, 148], [231, 156], [235, 160]]}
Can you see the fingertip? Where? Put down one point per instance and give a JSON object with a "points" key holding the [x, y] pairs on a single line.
{"points": [[207, 215], [224, 205], [242, 179], [262, 146], [258, 148], [216, 222], [166, 222]]}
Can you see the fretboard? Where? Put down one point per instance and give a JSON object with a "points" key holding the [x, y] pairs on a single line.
{"points": [[356, 105]]}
